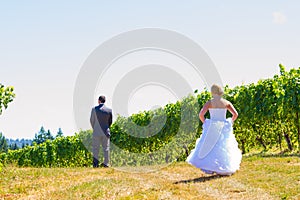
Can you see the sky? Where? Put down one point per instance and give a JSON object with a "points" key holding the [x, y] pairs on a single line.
{"points": [[44, 44]]}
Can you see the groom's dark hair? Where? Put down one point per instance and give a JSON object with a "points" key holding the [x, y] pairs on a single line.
{"points": [[102, 99]]}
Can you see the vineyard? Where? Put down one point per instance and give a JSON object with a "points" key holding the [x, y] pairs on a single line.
{"points": [[268, 119]]}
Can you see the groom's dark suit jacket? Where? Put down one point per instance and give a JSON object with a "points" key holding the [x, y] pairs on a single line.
{"points": [[101, 119]]}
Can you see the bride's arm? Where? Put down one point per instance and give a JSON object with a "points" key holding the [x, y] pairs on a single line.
{"points": [[233, 111], [203, 111]]}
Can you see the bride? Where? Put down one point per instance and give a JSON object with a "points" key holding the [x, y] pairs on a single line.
{"points": [[217, 150]]}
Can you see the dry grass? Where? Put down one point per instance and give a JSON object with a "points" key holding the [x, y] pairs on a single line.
{"points": [[259, 178]]}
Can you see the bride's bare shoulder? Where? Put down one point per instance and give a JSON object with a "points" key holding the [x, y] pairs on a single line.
{"points": [[208, 104], [226, 102]]}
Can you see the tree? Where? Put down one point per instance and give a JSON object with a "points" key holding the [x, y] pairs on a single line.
{"points": [[3, 143], [42, 136], [59, 133], [13, 146], [6, 96]]}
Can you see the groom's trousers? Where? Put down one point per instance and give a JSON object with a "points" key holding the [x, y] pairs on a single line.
{"points": [[104, 141]]}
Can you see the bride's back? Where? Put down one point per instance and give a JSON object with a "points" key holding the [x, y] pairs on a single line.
{"points": [[218, 103]]}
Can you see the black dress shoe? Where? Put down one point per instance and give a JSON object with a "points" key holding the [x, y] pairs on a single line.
{"points": [[95, 163], [104, 165]]}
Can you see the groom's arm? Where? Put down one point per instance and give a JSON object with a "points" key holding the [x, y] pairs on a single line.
{"points": [[92, 118], [110, 119]]}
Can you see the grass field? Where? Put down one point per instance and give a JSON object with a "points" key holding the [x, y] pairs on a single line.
{"points": [[260, 177]]}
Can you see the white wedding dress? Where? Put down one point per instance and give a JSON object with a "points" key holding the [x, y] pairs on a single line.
{"points": [[216, 151]]}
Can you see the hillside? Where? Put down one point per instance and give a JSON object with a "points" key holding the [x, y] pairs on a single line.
{"points": [[260, 177]]}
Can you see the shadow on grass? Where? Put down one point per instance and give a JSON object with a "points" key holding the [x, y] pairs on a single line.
{"points": [[281, 154], [200, 179]]}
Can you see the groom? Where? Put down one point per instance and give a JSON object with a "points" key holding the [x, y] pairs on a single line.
{"points": [[101, 119]]}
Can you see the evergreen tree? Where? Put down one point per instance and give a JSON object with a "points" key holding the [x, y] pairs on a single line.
{"points": [[42, 136], [59, 133], [13, 146], [49, 136], [3, 143]]}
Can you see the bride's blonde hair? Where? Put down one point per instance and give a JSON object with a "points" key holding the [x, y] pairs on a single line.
{"points": [[216, 89]]}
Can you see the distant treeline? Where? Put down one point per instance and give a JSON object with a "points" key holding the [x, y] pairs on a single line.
{"points": [[40, 137], [19, 143]]}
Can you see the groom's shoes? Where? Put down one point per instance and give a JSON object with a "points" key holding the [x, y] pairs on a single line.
{"points": [[104, 165], [95, 163]]}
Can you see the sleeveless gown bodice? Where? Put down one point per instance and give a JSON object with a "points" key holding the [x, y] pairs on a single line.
{"points": [[217, 114]]}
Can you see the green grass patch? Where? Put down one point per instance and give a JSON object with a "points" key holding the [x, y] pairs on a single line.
{"points": [[262, 176]]}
